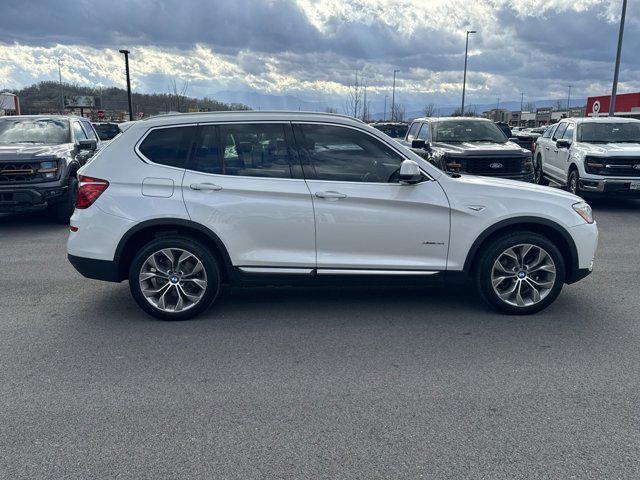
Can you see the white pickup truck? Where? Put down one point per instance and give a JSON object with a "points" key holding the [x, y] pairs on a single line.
{"points": [[591, 156]]}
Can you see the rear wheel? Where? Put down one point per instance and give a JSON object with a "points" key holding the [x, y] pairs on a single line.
{"points": [[521, 273], [174, 278]]}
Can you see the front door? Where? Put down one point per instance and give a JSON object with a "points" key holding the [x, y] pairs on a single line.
{"points": [[240, 183], [365, 218]]}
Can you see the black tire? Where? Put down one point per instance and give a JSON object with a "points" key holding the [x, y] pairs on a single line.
{"points": [[64, 209], [490, 254], [573, 182], [201, 252], [538, 172]]}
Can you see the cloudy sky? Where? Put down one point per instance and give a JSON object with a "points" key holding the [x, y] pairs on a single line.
{"points": [[311, 49]]}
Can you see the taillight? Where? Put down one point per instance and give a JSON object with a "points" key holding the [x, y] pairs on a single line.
{"points": [[533, 147], [89, 190]]}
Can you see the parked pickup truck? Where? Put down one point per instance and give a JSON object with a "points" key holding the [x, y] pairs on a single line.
{"points": [[469, 145], [39, 158], [591, 156]]}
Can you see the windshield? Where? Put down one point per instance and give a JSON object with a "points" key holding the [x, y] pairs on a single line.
{"points": [[106, 131], [34, 130], [614, 132], [468, 131]]}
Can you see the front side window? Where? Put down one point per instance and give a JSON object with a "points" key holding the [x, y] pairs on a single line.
{"points": [[413, 131], [611, 132], [168, 146], [560, 131], [424, 132], [458, 131], [34, 130], [78, 132], [548, 131], [89, 131], [568, 133], [344, 154], [249, 150]]}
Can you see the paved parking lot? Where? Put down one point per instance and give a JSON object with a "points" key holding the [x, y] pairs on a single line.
{"points": [[335, 383]]}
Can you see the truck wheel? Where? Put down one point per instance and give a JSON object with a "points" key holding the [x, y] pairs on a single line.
{"points": [[64, 209], [538, 173], [520, 273], [174, 278], [573, 183]]}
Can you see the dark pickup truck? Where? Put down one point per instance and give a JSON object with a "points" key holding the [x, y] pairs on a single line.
{"points": [[39, 160], [469, 145]]}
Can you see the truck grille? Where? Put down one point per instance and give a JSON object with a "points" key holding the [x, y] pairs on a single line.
{"points": [[613, 166], [27, 172], [491, 165]]}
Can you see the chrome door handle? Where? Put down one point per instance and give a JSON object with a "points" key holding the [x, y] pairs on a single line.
{"points": [[205, 186], [330, 195]]}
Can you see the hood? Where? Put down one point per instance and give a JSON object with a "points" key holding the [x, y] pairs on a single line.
{"points": [[28, 151], [611, 149], [479, 148], [505, 185]]}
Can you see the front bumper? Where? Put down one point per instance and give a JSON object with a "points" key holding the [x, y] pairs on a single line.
{"points": [[523, 177], [610, 186], [17, 199]]}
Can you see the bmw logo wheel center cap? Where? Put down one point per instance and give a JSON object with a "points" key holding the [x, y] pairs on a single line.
{"points": [[522, 275]]}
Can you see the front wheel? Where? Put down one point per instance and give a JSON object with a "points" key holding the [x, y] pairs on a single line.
{"points": [[573, 183], [538, 173], [64, 209], [174, 278], [521, 273]]}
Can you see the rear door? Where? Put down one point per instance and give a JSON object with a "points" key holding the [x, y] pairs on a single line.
{"points": [[365, 219], [242, 183]]}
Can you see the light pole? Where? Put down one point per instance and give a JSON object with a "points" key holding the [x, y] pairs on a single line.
{"points": [[61, 91], [617, 68], [126, 64], [521, 103], [393, 97], [464, 78], [384, 111], [568, 99]]}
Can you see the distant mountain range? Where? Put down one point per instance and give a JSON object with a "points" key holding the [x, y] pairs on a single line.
{"points": [[414, 104]]}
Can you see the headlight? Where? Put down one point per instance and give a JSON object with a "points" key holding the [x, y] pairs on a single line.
{"points": [[584, 210], [48, 169]]}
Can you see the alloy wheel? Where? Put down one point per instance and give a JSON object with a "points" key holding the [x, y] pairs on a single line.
{"points": [[523, 275], [173, 280]]}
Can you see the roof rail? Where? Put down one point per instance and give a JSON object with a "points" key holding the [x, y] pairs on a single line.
{"points": [[221, 112]]}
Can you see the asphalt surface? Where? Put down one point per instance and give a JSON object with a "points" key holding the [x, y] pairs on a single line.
{"points": [[330, 383]]}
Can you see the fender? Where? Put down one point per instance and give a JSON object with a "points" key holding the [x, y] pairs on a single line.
{"points": [[572, 268]]}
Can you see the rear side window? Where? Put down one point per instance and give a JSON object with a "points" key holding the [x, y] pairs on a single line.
{"points": [[248, 150], [413, 131], [168, 146]]}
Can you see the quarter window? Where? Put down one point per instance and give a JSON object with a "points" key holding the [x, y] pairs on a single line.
{"points": [[168, 146], [250, 150], [345, 154]]}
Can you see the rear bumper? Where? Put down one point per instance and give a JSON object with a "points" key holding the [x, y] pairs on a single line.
{"points": [[26, 199], [609, 186], [106, 270]]}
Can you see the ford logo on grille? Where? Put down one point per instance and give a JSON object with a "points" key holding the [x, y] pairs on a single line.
{"points": [[495, 165], [636, 166]]}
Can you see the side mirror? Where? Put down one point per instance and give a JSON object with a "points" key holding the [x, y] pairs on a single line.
{"points": [[410, 172], [563, 143], [87, 144], [416, 143]]}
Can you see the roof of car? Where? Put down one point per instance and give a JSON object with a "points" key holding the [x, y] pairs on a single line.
{"points": [[244, 115], [441, 119], [602, 119], [61, 117]]}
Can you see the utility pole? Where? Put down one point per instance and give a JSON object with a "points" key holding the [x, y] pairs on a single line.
{"points": [[61, 90], [364, 106], [384, 111], [521, 103], [464, 78], [126, 64], [612, 103], [393, 97], [568, 99]]}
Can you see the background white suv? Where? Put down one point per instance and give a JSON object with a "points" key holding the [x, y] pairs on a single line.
{"points": [[181, 204], [591, 156]]}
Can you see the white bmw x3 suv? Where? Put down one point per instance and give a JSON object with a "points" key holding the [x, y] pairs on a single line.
{"points": [[181, 204]]}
